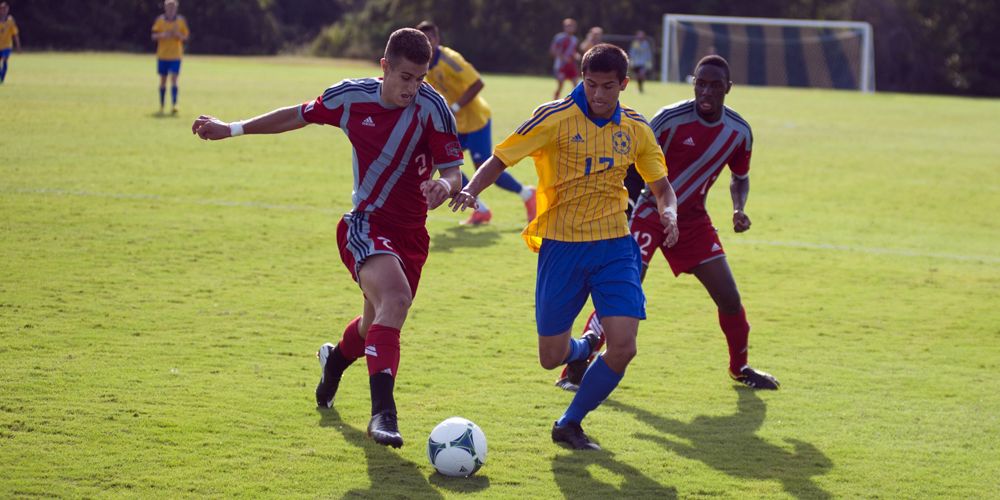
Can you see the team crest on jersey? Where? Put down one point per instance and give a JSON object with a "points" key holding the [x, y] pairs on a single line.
{"points": [[454, 148], [622, 143]]}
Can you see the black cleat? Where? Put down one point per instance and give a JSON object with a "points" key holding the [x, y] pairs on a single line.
{"points": [[572, 375], [328, 382], [384, 429], [756, 379], [571, 435]]}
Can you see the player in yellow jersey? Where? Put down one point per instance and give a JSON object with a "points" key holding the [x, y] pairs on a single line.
{"points": [[459, 83], [8, 38], [582, 146], [170, 31]]}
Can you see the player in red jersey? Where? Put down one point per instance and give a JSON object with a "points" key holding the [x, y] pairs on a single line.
{"points": [[401, 131], [699, 137], [565, 56]]}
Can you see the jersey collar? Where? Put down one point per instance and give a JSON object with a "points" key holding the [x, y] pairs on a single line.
{"points": [[580, 98]]}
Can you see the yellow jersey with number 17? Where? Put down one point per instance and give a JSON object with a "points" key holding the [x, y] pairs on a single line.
{"points": [[581, 164], [8, 29], [170, 48], [451, 75]]}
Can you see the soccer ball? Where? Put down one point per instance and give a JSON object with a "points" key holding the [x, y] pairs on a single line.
{"points": [[457, 447]]}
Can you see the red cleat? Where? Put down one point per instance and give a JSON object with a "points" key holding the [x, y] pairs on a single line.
{"points": [[478, 218]]}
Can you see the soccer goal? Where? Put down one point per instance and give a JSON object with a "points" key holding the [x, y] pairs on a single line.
{"points": [[765, 51]]}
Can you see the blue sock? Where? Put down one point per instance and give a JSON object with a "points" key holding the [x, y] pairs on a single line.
{"points": [[3, 70], [173, 95], [163, 93], [578, 349], [595, 387], [507, 182]]}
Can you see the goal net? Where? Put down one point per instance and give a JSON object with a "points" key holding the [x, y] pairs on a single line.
{"points": [[764, 51]]}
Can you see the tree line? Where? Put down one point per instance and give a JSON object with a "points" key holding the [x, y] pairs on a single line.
{"points": [[920, 45]]}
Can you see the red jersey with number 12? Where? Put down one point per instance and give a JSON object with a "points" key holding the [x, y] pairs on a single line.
{"points": [[696, 151], [395, 149]]}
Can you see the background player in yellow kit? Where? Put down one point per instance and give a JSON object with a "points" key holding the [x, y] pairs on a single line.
{"points": [[170, 31]]}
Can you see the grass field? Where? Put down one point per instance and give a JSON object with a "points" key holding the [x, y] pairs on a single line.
{"points": [[162, 298]]}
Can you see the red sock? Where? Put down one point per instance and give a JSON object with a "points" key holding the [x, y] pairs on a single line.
{"points": [[382, 350], [352, 345], [737, 331]]}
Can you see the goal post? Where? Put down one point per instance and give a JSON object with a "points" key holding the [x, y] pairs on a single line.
{"points": [[768, 51]]}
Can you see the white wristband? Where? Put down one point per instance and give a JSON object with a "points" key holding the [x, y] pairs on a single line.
{"points": [[236, 129], [670, 211], [446, 184], [455, 107]]}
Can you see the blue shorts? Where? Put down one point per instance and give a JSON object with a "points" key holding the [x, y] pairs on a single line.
{"points": [[5, 53], [607, 270], [479, 143], [164, 66]]}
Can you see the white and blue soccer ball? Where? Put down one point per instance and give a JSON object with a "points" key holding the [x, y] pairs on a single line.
{"points": [[457, 447]]}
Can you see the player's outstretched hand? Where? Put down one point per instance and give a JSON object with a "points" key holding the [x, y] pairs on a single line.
{"points": [[741, 222], [435, 192], [462, 200], [210, 128], [670, 231]]}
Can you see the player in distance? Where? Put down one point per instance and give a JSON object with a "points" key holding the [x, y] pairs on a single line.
{"points": [[9, 38], [459, 83], [582, 146], [401, 132], [565, 56], [699, 137], [170, 31]]}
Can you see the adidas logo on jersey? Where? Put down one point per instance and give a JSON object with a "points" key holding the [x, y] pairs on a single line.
{"points": [[368, 122], [576, 138], [689, 141]]}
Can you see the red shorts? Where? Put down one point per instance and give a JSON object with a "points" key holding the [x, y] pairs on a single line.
{"points": [[568, 71], [697, 244], [359, 238]]}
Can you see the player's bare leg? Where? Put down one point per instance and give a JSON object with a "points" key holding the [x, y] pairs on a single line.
{"points": [[385, 286], [718, 280]]}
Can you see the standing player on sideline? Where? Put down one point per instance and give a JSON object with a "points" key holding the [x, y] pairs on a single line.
{"points": [[401, 132], [699, 137], [563, 50], [459, 83], [582, 146], [170, 31], [8, 38]]}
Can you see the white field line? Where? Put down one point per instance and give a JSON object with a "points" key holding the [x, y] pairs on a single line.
{"points": [[900, 252]]}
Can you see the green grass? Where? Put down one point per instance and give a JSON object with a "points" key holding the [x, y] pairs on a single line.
{"points": [[161, 300]]}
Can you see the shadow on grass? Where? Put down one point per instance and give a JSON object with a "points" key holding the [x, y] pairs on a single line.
{"points": [[730, 444], [573, 474], [390, 475], [464, 237], [161, 114]]}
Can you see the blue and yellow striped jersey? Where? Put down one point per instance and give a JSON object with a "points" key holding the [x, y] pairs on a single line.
{"points": [[581, 164]]}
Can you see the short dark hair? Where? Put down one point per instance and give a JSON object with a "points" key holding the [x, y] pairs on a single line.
{"points": [[427, 27], [714, 60], [409, 43], [605, 57]]}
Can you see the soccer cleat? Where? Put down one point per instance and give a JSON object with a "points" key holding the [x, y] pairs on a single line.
{"points": [[572, 374], [328, 382], [173, 110], [571, 435], [530, 204], [756, 379], [384, 429], [478, 218]]}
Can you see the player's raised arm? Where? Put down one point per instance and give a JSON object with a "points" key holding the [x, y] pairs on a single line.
{"points": [[280, 120]]}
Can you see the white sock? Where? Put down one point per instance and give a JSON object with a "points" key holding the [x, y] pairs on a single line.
{"points": [[526, 192]]}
